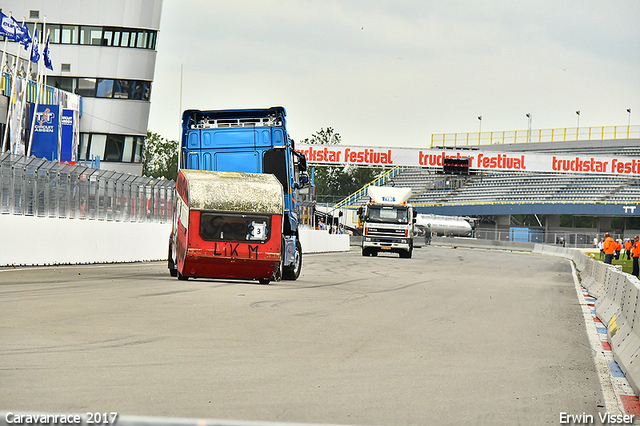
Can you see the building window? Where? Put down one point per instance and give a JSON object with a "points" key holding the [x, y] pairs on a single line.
{"points": [[104, 88], [34, 14], [54, 33], [97, 36], [91, 35], [69, 34], [123, 89], [116, 148], [97, 146], [87, 87]]}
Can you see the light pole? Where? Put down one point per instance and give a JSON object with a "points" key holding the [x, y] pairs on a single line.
{"points": [[529, 117], [578, 113], [629, 111], [480, 119]]}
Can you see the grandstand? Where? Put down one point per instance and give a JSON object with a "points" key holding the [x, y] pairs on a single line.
{"points": [[495, 196]]}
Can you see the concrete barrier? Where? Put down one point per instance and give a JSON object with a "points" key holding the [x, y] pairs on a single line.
{"points": [[315, 241], [28, 240]]}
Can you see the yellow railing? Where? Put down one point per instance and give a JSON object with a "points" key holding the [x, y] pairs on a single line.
{"points": [[568, 134], [381, 180]]}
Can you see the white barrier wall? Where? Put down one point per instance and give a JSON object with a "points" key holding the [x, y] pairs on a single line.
{"points": [[315, 241], [28, 240]]}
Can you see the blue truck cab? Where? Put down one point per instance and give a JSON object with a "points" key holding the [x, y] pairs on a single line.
{"points": [[250, 141]]}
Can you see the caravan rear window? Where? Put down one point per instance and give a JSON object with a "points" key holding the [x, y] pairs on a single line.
{"points": [[234, 227]]}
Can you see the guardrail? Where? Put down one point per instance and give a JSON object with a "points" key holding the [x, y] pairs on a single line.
{"points": [[32, 186]]}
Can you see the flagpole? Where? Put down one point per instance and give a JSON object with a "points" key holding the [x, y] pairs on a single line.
{"points": [[4, 51], [25, 89], [4, 58], [35, 107], [13, 90]]}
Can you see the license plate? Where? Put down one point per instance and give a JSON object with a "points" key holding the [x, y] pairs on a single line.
{"points": [[385, 248]]}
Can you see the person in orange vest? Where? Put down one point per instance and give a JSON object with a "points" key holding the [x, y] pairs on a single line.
{"points": [[618, 249], [609, 247], [627, 247], [635, 253]]}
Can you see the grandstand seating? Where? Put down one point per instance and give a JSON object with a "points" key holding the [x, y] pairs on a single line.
{"points": [[430, 187]]}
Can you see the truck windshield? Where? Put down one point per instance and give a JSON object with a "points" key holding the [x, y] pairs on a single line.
{"points": [[388, 214]]}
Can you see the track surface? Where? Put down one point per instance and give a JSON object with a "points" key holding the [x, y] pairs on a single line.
{"points": [[448, 337]]}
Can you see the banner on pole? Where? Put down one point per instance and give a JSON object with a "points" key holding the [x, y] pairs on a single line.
{"points": [[621, 165], [46, 132], [70, 136]]}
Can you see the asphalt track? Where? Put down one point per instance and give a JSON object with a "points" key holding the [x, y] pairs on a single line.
{"points": [[452, 336]]}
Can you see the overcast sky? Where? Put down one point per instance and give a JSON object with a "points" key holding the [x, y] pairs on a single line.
{"points": [[393, 72]]}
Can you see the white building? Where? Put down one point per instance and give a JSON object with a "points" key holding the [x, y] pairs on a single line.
{"points": [[105, 51]]}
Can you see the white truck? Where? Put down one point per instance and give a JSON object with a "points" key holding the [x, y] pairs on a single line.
{"points": [[387, 222]]}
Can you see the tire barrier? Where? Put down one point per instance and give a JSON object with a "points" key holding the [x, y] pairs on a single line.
{"points": [[617, 305]]}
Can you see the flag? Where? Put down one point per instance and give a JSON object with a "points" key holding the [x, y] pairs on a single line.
{"points": [[35, 53], [21, 34], [47, 55], [7, 27]]}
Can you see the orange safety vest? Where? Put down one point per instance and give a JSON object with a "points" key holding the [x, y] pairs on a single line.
{"points": [[628, 244], [609, 246], [635, 250]]}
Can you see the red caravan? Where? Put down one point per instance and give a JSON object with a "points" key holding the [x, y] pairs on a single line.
{"points": [[227, 225]]}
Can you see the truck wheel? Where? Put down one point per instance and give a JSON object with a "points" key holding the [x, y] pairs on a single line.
{"points": [[373, 253], [293, 272], [264, 281], [365, 252], [405, 254], [182, 277], [173, 271]]}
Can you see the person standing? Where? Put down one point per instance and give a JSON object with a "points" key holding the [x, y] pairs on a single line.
{"points": [[601, 248], [627, 247], [635, 253], [618, 249], [609, 247]]}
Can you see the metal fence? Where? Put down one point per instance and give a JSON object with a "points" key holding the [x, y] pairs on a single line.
{"points": [[563, 238], [32, 186]]}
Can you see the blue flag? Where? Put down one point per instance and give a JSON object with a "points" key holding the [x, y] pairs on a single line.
{"points": [[21, 34], [35, 54], [47, 55], [7, 27]]}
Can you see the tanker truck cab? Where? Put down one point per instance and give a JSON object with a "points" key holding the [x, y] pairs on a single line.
{"points": [[388, 222], [227, 225]]}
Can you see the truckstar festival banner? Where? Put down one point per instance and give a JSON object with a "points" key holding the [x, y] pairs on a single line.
{"points": [[46, 132], [478, 160]]}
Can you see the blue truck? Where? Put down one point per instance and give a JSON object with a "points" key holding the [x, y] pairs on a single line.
{"points": [[248, 141]]}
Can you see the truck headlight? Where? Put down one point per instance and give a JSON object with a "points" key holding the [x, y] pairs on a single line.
{"points": [[367, 239]]}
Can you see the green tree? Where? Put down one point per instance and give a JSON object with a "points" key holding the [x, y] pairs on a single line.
{"points": [[160, 158], [335, 182]]}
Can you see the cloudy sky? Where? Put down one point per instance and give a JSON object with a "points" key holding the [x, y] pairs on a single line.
{"points": [[393, 72]]}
